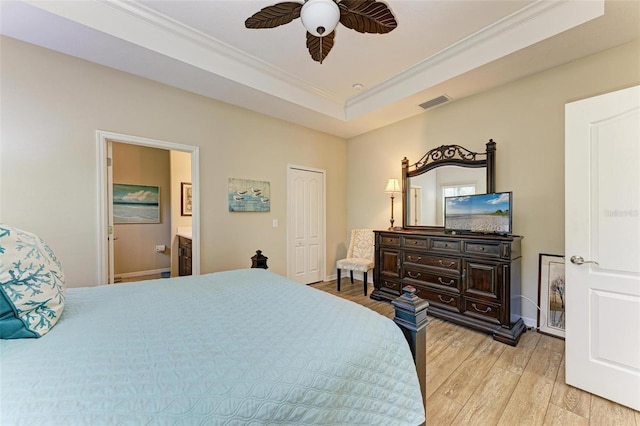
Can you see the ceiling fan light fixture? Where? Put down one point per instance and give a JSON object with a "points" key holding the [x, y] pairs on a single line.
{"points": [[320, 17]]}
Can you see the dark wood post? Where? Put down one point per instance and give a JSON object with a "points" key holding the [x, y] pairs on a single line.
{"points": [[411, 317], [491, 166]]}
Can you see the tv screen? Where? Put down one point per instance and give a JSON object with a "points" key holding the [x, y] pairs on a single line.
{"points": [[486, 213]]}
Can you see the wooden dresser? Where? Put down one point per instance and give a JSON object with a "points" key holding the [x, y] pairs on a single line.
{"points": [[469, 279]]}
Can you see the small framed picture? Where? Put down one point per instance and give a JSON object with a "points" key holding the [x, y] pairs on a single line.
{"points": [[551, 295], [186, 204]]}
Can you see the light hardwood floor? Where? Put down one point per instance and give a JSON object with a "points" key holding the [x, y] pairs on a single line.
{"points": [[472, 379]]}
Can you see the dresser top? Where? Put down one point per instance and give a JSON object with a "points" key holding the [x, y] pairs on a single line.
{"points": [[451, 234]]}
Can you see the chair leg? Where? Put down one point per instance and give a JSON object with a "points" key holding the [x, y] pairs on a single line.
{"points": [[351, 276], [365, 283], [338, 279]]}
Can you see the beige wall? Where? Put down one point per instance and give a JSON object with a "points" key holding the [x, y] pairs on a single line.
{"points": [[52, 105], [134, 248], [526, 119]]}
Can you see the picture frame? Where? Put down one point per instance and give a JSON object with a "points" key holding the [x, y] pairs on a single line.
{"points": [[136, 203], [186, 199], [551, 295], [247, 195]]}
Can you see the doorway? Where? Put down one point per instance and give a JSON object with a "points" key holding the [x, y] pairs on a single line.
{"points": [[306, 224], [105, 195]]}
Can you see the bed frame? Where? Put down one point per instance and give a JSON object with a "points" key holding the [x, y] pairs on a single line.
{"points": [[411, 317]]}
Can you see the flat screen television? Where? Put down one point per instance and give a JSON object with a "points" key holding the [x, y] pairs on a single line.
{"points": [[483, 213]]}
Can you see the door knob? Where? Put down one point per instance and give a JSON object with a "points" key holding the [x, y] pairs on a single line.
{"points": [[579, 260]]}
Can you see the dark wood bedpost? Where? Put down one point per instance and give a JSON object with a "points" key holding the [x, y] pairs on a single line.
{"points": [[411, 317]]}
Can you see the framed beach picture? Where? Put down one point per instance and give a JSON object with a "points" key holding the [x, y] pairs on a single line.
{"points": [[186, 199], [551, 295], [136, 203], [249, 195]]}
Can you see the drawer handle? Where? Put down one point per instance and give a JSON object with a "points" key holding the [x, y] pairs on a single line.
{"points": [[414, 258], [480, 310], [386, 284], [415, 243], [411, 276], [445, 301], [441, 281], [446, 266]]}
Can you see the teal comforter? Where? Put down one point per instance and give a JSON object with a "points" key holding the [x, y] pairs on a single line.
{"points": [[231, 348]]}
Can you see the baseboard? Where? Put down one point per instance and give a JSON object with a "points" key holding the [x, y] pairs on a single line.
{"points": [[530, 323], [142, 273]]}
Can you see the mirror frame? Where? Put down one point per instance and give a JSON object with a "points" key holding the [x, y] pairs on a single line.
{"points": [[447, 155]]}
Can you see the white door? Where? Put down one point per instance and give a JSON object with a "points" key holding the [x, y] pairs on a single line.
{"points": [[602, 245], [305, 225]]}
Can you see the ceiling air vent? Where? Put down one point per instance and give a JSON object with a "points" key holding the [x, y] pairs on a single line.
{"points": [[435, 102]]}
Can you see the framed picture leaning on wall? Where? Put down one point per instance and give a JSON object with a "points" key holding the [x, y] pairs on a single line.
{"points": [[551, 295]]}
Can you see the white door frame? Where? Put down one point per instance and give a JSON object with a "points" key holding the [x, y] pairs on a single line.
{"points": [[323, 222], [102, 139]]}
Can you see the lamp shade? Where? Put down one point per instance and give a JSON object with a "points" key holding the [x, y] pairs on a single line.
{"points": [[320, 17], [392, 186]]}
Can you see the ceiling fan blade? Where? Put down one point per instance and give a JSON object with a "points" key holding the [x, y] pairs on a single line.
{"points": [[367, 16], [274, 16], [319, 47]]}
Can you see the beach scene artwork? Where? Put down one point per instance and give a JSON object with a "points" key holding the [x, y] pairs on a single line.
{"points": [[249, 195], [136, 203], [479, 213]]}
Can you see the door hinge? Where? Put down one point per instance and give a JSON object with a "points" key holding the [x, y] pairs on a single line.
{"points": [[108, 162]]}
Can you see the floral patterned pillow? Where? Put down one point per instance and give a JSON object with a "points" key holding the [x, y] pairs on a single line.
{"points": [[31, 285]]}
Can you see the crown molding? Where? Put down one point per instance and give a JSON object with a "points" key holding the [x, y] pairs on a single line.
{"points": [[142, 26], [538, 21]]}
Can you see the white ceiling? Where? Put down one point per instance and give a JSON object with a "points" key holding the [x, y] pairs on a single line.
{"points": [[450, 47]]}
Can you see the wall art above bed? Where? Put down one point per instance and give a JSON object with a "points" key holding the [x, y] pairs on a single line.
{"points": [[249, 195]]}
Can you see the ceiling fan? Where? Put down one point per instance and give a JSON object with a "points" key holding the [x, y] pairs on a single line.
{"points": [[320, 18]]}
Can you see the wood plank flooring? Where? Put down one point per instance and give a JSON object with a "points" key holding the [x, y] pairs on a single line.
{"points": [[474, 380]]}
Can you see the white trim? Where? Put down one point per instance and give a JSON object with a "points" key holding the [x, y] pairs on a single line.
{"points": [[144, 27], [102, 220], [525, 27], [323, 267]]}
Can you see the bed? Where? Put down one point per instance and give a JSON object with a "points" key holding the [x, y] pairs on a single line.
{"points": [[229, 348]]}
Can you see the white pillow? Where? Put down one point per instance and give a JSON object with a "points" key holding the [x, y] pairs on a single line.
{"points": [[31, 285]]}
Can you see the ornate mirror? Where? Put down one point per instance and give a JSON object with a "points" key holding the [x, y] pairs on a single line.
{"points": [[444, 171]]}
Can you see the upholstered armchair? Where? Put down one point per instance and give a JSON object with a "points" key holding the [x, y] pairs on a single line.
{"points": [[359, 256]]}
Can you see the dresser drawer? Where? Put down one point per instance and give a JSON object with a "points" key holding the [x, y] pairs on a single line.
{"points": [[391, 286], [432, 277], [449, 263], [445, 245], [439, 299], [415, 242], [487, 311], [390, 240], [484, 249]]}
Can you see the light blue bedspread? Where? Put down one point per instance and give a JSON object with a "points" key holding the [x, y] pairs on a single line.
{"points": [[232, 348]]}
